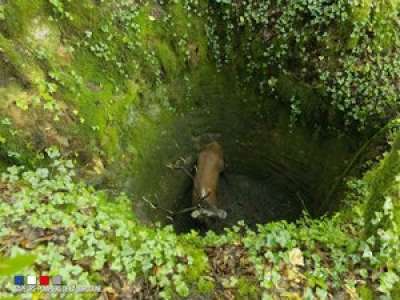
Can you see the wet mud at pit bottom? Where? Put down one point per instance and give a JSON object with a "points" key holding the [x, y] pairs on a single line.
{"points": [[253, 200]]}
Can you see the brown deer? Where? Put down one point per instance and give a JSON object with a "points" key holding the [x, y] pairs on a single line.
{"points": [[205, 184]]}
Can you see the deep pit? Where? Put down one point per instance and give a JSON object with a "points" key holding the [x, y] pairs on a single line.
{"points": [[266, 178], [251, 199], [274, 171], [259, 185]]}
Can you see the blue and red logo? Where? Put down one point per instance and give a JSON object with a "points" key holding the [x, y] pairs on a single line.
{"points": [[43, 280]]}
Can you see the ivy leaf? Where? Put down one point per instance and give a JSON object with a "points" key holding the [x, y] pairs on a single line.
{"points": [[367, 252], [182, 289], [388, 206], [322, 294], [9, 266], [388, 281]]}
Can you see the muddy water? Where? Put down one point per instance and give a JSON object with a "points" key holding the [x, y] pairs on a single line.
{"points": [[254, 200]]}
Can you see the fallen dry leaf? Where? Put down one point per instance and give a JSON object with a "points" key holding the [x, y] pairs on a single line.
{"points": [[296, 257]]}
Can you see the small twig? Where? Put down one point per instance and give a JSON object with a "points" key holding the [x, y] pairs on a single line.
{"points": [[149, 202], [184, 169], [186, 172], [180, 167], [298, 194], [154, 206], [170, 213]]}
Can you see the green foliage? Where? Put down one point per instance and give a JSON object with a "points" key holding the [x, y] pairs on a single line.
{"points": [[247, 288], [14, 265], [383, 199], [19, 14], [25, 69], [58, 7], [311, 41], [87, 237], [205, 285], [88, 230], [295, 111], [2, 16], [11, 266]]}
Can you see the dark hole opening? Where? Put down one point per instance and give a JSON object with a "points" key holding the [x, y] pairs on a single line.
{"points": [[255, 200]]}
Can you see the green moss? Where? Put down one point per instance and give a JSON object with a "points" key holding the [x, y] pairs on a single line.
{"points": [[396, 292], [88, 66], [150, 25], [361, 11], [189, 26], [199, 266], [168, 59], [205, 285], [156, 144], [366, 293], [15, 147], [383, 20], [247, 289], [19, 15], [83, 16], [43, 34], [14, 150], [308, 97], [382, 181], [381, 15], [23, 64]]}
